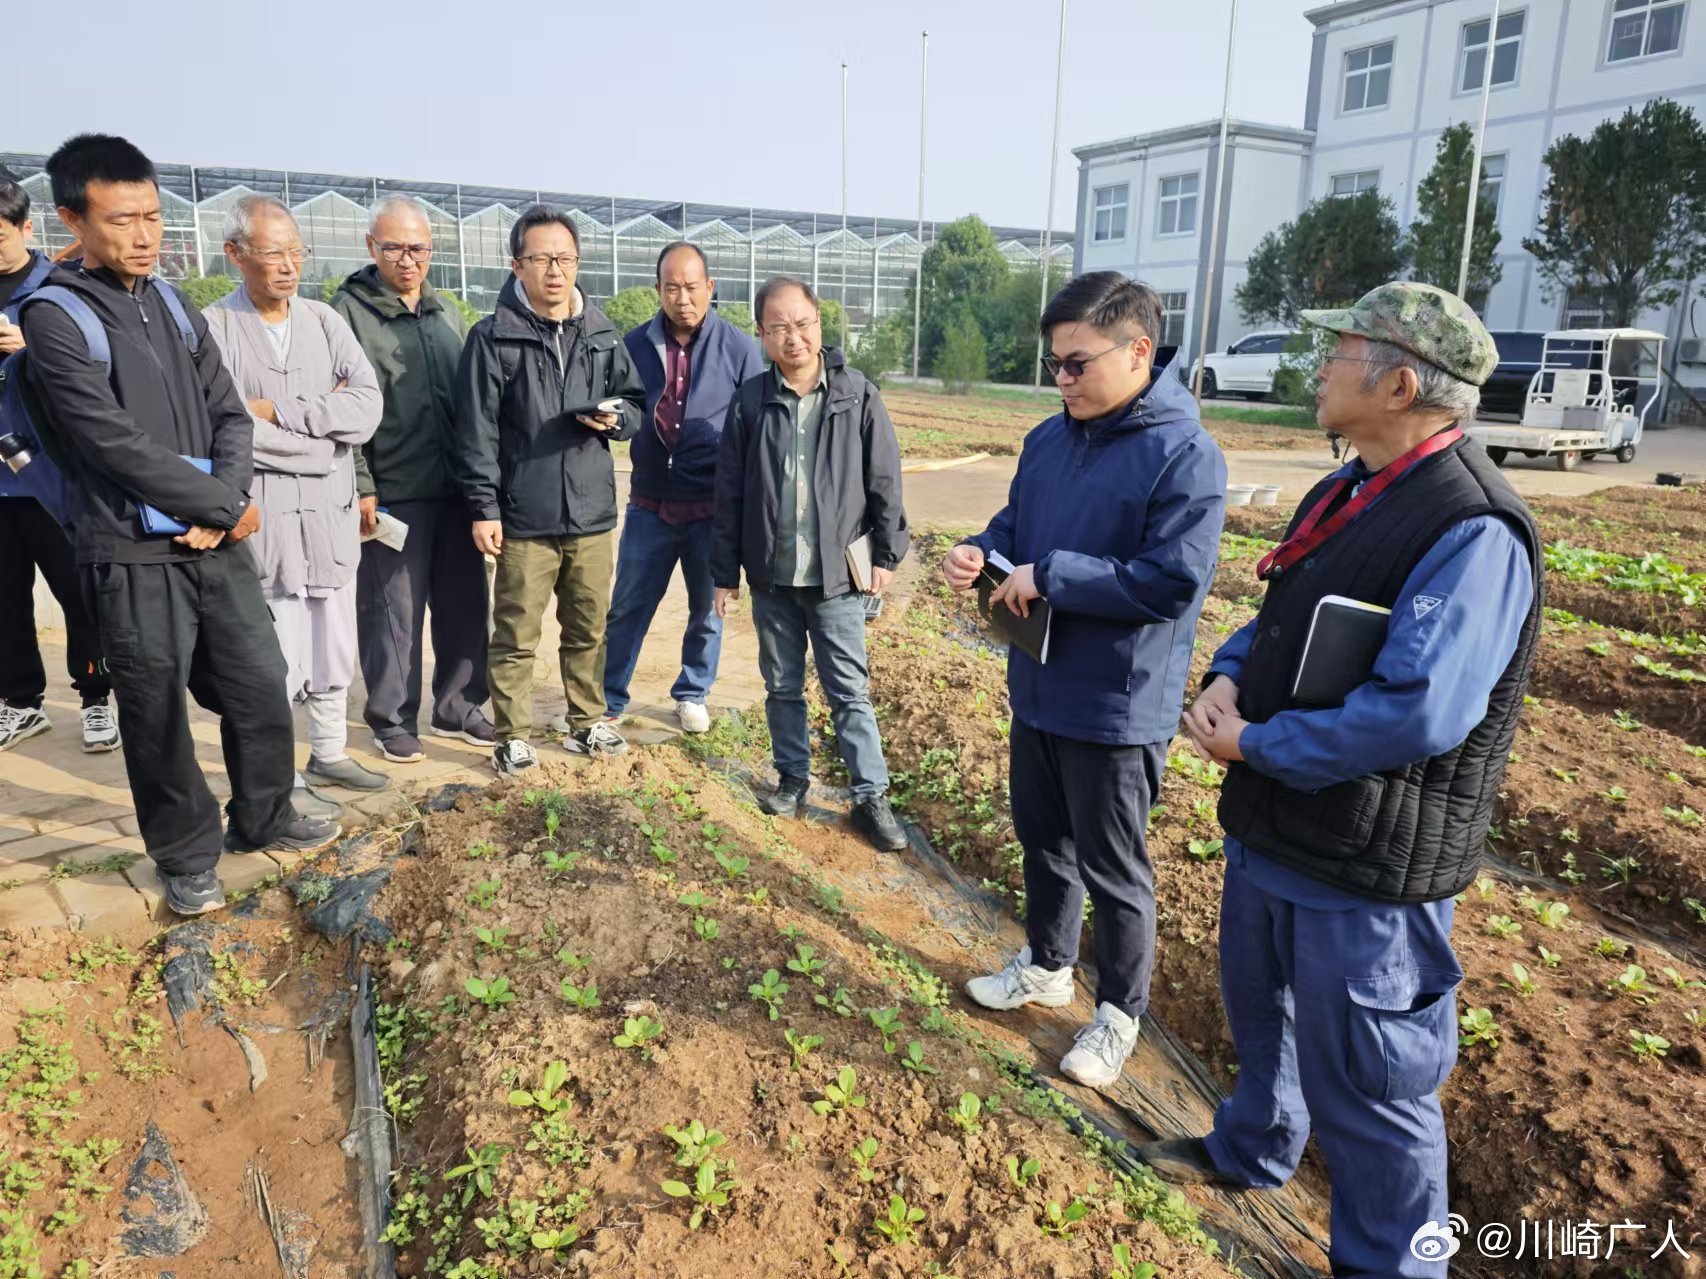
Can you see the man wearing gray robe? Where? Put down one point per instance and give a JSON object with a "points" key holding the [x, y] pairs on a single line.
{"points": [[314, 400]]}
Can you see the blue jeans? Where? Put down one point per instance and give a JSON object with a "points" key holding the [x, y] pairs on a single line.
{"points": [[648, 555], [785, 617]]}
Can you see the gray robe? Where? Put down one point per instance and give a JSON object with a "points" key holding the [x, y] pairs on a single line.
{"points": [[310, 536]]}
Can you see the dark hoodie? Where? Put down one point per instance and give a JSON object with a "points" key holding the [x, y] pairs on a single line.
{"points": [[1121, 517], [121, 434], [521, 455], [414, 354]]}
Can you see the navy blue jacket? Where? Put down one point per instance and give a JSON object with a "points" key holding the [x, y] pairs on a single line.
{"points": [[1122, 519], [40, 269], [722, 358]]}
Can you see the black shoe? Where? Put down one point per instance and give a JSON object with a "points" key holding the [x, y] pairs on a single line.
{"points": [[193, 895], [300, 835], [788, 798], [875, 820], [1183, 1161], [476, 732]]}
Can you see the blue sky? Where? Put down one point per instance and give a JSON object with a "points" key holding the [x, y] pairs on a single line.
{"points": [[737, 102]]}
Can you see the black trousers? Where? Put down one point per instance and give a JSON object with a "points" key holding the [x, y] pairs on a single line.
{"points": [[30, 538], [1080, 809], [438, 565], [203, 626]]}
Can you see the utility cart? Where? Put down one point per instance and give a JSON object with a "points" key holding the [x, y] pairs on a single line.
{"points": [[1590, 395]]}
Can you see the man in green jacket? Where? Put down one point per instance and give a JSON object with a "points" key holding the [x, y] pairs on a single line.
{"points": [[413, 338]]}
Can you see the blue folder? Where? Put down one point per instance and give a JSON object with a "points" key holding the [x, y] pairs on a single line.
{"points": [[157, 522]]}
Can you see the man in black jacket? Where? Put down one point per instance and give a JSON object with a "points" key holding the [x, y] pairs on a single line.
{"points": [[544, 385], [173, 612], [809, 467]]}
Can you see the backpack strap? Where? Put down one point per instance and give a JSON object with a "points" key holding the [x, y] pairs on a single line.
{"points": [[82, 315], [181, 317], [41, 266]]}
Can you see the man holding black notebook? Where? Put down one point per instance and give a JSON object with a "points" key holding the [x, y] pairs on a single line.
{"points": [[1356, 808], [1113, 524]]}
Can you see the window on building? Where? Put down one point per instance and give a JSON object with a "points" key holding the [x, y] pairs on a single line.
{"points": [[1506, 45], [1585, 309], [1368, 77], [1110, 212], [1355, 183], [1178, 205], [1172, 319], [1493, 180], [1642, 28]]}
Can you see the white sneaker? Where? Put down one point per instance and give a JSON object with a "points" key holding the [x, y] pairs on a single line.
{"points": [[1021, 983], [19, 722], [693, 716], [1100, 1049], [513, 756], [100, 729]]}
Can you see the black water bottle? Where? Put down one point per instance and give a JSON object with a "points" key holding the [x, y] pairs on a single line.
{"points": [[15, 452]]}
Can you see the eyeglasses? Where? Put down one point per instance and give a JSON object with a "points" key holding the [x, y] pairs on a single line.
{"points": [[545, 261], [277, 257], [1056, 366], [397, 252], [783, 331], [1349, 359]]}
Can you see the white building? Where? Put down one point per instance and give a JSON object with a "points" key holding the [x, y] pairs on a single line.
{"points": [[1385, 78]]}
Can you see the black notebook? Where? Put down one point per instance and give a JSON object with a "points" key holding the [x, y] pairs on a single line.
{"points": [[1345, 636], [1028, 634]]}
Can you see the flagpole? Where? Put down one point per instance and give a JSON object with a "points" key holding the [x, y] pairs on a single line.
{"points": [[1475, 162], [1205, 302], [918, 276], [1053, 164]]}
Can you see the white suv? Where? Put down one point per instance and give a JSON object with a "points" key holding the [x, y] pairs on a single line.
{"points": [[1247, 367]]}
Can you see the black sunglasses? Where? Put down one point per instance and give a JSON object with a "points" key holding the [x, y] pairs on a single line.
{"points": [[1076, 367]]}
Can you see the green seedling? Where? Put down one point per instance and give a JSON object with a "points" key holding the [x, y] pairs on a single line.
{"points": [[863, 1156], [493, 994], [1550, 914], [1057, 1222], [840, 1003], [1022, 1174], [585, 998], [1647, 1047], [708, 1193], [1620, 870], [802, 1045], [1679, 981], [1486, 886], [1205, 850], [494, 939], [1124, 1268], [1695, 907], [706, 930], [769, 992], [1610, 948], [733, 867], [573, 962], [1632, 981], [1521, 982], [840, 1095], [759, 896], [1502, 926], [1478, 1028], [693, 900], [555, 1242], [1570, 875], [900, 1226], [806, 964], [914, 1060], [967, 1112], [483, 850], [1695, 1019], [558, 865], [1550, 958], [888, 1024], [479, 1173], [639, 1032], [549, 1097], [1615, 794], [694, 1143], [484, 895], [1684, 816]]}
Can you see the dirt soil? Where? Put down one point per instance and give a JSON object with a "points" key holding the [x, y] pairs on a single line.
{"points": [[1598, 1132], [932, 424], [641, 833], [89, 1060]]}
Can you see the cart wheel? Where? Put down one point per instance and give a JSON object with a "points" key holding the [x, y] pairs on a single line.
{"points": [[1497, 455], [1625, 453], [1568, 459]]}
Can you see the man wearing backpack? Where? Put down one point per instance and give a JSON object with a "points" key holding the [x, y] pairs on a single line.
{"points": [[173, 611], [30, 538], [533, 457]]}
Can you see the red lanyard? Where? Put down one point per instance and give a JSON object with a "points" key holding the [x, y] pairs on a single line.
{"points": [[1308, 536]]}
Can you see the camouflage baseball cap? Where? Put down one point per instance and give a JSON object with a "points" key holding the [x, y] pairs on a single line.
{"points": [[1431, 324]]}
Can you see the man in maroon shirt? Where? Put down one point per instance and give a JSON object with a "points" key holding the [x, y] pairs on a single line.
{"points": [[691, 361]]}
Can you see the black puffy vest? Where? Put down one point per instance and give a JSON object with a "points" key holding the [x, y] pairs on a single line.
{"points": [[1414, 834]]}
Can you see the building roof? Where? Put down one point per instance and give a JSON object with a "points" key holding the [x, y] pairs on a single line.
{"points": [[1235, 131], [1348, 9]]}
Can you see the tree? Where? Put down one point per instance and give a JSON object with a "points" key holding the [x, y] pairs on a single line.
{"points": [[883, 348], [1339, 248], [467, 310], [964, 357], [834, 322], [204, 290], [962, 266], [1624, 210], [1434, 243], [632, 307], [738, 314]]}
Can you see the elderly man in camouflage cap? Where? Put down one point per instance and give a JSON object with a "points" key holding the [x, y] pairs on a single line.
{"points": [[1359, 790]]}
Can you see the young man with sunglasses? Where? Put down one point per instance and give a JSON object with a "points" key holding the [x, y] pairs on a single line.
{"points": [[544, 387], [412, 335], [1114, 518]]}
